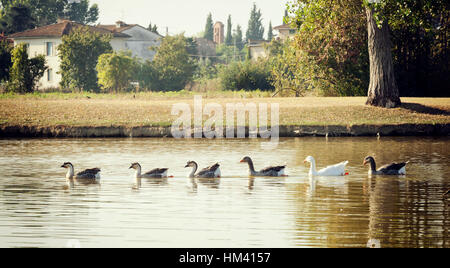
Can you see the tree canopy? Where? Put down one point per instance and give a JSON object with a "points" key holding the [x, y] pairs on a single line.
{"points": [[255, 30], [209, 28]]}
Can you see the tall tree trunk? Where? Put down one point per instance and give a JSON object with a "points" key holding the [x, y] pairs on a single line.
{"points": [[383, 90]]}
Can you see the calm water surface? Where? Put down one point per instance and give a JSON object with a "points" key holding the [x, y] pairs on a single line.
{"points": [[37, 210]]}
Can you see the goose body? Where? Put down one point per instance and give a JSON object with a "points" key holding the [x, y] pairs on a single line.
{"points": [[155, 173], [208, 172], [275, 171], [390, 169], [334, 170], [88, 176]]}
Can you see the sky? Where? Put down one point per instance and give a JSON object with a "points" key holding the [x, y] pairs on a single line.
{"points": [[188, 16]]}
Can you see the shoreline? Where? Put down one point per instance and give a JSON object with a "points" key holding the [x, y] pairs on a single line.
{"points": [[165, 131]]}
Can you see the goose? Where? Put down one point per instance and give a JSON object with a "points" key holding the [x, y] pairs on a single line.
{"points": [[209, 172], [155, 173], [88, 176], [334, 170], [277, 171], [390, 169]]}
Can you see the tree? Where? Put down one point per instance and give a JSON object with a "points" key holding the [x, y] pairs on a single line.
{"points": [[255, 30], [153, 29], [115, 71], [172, 68], [47, 12], [383, 90], [81, 12], [24, 72], [229, 37], [237, 38], [79, 52], [270, 32], [5, 60], [17, 18], [209, 28]]}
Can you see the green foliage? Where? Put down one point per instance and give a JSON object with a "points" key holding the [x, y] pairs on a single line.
{"points": [[270, 32], [246, 75], [237, 38], [209, 28], [115, 71], [153, 29], [17, 18], [255, 30], [81, 12], [288, 74], [20, 15], [331, 46], [172, 68], [24, 72], [5, 60], [229, 37], [79, 53]]}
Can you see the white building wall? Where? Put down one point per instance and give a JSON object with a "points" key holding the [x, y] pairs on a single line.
{"points": [[141, 41], [38, 46]]}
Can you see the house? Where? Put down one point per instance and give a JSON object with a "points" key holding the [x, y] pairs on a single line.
{"points": [[257, 49], [285, 31], [140, 41], [44, 41]]}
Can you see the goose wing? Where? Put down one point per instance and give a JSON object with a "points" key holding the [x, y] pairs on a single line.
{"points": [[334, 170], [157, 171], [393, 168], [209, 171], [273, 171], [88, 173]]}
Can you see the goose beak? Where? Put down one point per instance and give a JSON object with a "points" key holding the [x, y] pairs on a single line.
{"points": [[130, 167], [304, 161], [364, 163], [186, 166], [242, 161], [63, 166]]}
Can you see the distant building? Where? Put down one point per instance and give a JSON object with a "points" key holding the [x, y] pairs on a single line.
{"points": [[219, 36], [257, 49], [285, 31], [45, 40], [141, 40]]}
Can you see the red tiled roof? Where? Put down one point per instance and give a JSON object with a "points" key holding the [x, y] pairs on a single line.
{"points": [[60, 29]]}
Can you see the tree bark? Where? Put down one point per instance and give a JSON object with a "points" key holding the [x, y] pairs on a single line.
{"points": [[383, 89]]}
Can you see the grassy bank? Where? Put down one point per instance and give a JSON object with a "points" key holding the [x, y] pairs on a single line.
{"points": [[154, 109]]}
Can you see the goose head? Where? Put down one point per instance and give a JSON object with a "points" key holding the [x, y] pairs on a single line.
{"points": [[191, 164], [67, 165], [368, 159], [309, 159], [135, 166], [246, 160]]}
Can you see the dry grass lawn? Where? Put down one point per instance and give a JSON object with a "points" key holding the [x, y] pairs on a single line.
{"points": [[155, 110]]}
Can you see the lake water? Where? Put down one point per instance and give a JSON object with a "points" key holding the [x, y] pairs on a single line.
{"points": [[38, 210]]}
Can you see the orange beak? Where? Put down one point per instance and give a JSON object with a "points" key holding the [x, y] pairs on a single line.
{"points": [[364, 163], [242, 161]]}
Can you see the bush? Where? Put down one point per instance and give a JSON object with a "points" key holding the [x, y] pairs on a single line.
{"points": [[172, 68], [116, 71], [24, 72], [79, 53], [248, 75]]}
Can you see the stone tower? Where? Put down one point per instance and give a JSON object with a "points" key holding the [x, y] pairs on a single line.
{"points": [[219, 36]]}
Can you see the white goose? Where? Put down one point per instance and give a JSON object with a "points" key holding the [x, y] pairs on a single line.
{"points": [[334, 170]]}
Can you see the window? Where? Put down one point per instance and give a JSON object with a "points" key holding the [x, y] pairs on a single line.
{"points": [[49, 46], [49, 75]]}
